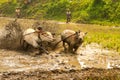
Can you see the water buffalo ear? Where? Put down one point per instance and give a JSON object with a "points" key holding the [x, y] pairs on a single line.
{"points": [[53, 33], [86, 33], [79, 31], [76, 32]]}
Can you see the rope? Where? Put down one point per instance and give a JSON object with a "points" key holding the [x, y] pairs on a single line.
{"points": [[36, 32], [44, 50], [63, 39], [30, 33]]}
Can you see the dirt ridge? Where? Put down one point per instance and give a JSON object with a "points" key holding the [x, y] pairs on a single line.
{"points": [[84, 74]]}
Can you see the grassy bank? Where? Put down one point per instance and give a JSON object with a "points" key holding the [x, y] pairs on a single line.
{"points": [[107, 36]]}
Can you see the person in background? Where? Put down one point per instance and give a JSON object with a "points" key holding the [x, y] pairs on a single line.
{"points": [[68, 16], [18, 12], [25, 1], [9, 1], [29, 1]]}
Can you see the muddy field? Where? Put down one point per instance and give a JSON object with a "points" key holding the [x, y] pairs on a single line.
{"points": [[57, 65], [86, 74], [91, 62]]}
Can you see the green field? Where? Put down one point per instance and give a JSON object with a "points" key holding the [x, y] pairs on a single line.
{"points": [[2, 1], [107, 36]]}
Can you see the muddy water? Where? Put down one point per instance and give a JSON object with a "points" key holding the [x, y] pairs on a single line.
{"points": [[94, 56], [90, 56]]}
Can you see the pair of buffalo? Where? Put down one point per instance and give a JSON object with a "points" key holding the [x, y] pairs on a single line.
{"points": [[72, 38]]}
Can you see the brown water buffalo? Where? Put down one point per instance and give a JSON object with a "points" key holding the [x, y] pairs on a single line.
{"points": [[73, 39], [31, 37]]}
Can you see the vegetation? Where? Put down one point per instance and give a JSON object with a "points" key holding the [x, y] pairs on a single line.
{"points": [[107, 37], [83, 11], [3, 1]]}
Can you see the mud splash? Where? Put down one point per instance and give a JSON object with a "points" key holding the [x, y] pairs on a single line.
{"points": [[10, 34]]}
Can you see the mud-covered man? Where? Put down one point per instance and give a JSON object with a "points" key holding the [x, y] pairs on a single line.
{"points": [[39, 29]]}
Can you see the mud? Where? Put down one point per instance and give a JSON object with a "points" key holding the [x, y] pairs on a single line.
{"points": [[86, 74], [10, 34], [91, 62]]}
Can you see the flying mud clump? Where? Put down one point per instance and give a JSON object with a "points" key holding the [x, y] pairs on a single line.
{"points": [[10, 35]]}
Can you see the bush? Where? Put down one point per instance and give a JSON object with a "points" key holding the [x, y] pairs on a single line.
{"points": [[83, 17]]}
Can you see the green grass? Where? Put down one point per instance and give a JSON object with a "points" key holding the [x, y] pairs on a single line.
{"points": [[107, 36], [2, 1]]}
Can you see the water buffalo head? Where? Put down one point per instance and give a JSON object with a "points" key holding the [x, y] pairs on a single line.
{"points": [[80, 35]]}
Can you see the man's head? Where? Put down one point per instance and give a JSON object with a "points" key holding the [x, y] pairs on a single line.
{"points": [[39, 27]]}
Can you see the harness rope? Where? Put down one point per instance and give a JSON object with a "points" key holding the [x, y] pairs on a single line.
{"points": [[36, 32], [63, 39]]}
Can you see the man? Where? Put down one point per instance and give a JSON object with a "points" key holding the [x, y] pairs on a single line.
{"points": [[68, 16], [25, 1], [39, 29], [17, 10], [29, 1]]}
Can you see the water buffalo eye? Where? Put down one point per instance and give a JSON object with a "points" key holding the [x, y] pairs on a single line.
{"points": [[76, 37]]}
